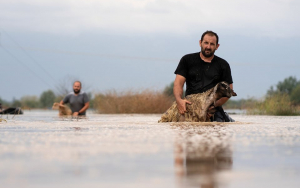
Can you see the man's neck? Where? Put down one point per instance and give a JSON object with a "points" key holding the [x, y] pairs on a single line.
{"points": [[206, 59]]}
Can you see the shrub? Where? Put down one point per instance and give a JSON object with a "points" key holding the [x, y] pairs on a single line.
{"points": [[47, 99], [30, 102], [145, 101], [277, 104], [239, 104], [295, 95]]}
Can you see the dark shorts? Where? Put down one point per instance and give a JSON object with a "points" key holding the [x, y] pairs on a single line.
{"points": [[221, 116]]}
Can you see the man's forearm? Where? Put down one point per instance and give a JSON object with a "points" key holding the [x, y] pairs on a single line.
{"points": [[178, 91], [86, 106], [178, 87], [221, 101]]}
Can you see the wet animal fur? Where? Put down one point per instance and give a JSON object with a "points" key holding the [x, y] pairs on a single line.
{"points": [[63, 110], [2, 120], [196, 112]]}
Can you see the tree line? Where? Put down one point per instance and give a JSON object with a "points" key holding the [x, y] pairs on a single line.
{"points": [[281, 99], [45, 100]]}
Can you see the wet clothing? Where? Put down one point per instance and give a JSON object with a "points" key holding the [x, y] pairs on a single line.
{"points": [[221, 116], [201, 76], [77, 102]]}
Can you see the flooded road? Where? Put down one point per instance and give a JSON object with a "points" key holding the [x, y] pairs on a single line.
{"points": [[38, 149]]}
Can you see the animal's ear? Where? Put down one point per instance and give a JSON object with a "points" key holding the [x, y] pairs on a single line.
{"points": [[233, 93]]}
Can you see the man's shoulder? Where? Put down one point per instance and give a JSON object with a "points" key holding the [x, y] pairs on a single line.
{"points": [[85, 96], [190, 58], [70, 94], [219, 59], [82, 93], [73, 94], [191, 55]]}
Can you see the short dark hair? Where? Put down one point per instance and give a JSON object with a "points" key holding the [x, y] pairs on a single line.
{"points": [[210, 33], [78, 82]]}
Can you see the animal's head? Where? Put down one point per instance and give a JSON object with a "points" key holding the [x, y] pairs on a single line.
{"points": [[223, 89], [55, 106]]}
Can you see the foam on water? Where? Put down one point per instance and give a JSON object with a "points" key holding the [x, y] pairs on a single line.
{"points": [[38, 149]]}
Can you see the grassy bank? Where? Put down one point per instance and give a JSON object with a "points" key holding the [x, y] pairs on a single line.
{"points": [[145, 101], [148, 101], [279, 105]]}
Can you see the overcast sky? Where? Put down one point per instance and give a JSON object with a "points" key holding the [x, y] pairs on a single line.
{"points": [[137, 44]]}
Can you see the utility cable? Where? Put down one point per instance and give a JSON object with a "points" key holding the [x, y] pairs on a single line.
{"points": [[39, 65], [98, 54], [23, 64]]}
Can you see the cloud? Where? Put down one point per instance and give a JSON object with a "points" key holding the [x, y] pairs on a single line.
{"points": [[277, 18]]}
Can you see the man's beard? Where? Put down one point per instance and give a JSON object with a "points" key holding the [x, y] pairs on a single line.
{"points": [[76, 91], [203, 51]]}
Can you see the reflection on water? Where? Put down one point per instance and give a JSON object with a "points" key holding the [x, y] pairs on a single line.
{"points": [[80, 129], [201, 152], [38, 149]]}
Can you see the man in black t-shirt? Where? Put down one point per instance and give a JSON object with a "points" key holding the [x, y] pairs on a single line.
{"points": [[202, 71]]}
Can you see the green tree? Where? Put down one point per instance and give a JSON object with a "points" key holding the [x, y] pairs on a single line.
{"points": [[285, 87], [169, 90], [271, 91], [278, 104], [47, 99], [16, 103], [91, 98], [58, 98], [30, 102], [4, 103], [295, 95]]}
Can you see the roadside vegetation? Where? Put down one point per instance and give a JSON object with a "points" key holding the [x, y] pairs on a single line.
{"points": [[129, 102], [277, 104], [282, 99], [44, 101]]}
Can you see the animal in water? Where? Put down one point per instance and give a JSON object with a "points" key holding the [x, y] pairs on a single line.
{"points": [[2, 120], [196, 112], [63, 110]]}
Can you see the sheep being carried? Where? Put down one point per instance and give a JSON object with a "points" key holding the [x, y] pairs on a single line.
{"points": [[196, 112]]}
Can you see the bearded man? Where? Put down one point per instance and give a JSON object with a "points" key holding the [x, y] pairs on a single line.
{"points": [[78, 100], [202, 71]]}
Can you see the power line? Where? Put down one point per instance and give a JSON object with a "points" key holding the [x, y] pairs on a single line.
{"points": [[99, 55], [39, 65], [23, 64], [27, 67], [271, 65]]}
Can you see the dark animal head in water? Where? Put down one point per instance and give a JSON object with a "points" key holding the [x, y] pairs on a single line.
{"points": [[224, 90]]}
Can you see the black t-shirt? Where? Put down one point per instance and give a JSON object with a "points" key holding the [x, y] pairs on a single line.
{"points": [[201, 76]]}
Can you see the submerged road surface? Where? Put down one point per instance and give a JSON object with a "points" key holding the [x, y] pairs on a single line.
{"points": [[38, 149]]}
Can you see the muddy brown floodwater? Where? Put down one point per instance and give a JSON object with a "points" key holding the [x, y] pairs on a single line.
{"points": [[38, 149]]}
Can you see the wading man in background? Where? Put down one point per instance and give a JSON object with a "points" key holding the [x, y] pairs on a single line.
{"points": [[201, 71], [78, 100]]}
